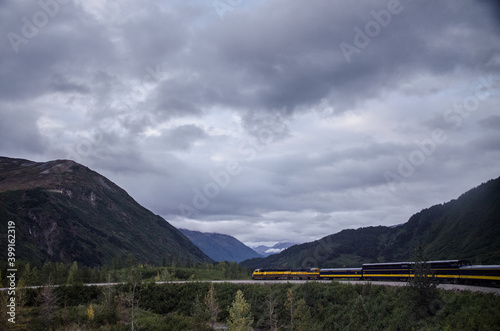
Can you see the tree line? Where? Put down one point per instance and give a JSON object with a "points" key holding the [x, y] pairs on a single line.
{"points": [[35, 273]]}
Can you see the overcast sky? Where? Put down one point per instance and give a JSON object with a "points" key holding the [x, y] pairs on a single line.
{"points": [[269, 120]]}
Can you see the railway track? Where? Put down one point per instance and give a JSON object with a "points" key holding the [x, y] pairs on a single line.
{"points": [[447, 287]]}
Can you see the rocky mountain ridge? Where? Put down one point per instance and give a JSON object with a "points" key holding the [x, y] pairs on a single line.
{"points": [[66, 212]]}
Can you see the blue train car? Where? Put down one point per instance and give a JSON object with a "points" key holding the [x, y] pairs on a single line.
{"points": [[480, 274], [350, 273], [388, 271], [447, 270], [456, 271]]}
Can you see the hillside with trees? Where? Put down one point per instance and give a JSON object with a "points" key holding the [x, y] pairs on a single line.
{"points": [[65, 212], [465, 228]]}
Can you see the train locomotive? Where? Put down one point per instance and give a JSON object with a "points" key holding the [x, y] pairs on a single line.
{"points": [[303, 274], [453, 271]]}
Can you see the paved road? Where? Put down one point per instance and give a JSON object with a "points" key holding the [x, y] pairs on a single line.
{"points": [[448, 287]]}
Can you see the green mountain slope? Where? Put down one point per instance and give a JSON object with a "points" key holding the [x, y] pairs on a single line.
{"points": [[465, 228], [468, 227], [66, 212], [220, 247]]}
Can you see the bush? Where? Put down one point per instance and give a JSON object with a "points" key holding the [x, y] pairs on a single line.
{"points": [[320, 306]]}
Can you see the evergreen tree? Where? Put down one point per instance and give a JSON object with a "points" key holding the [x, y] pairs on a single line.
{"points": [[109, 304], [48, 271], [422, 286], [104, 275], [271, 312], [200, 317], [61, 273], [48, 302], [3, 310], [31, 276], [130, 261], [85, 275], [22, 312], [240, 316], [359, 319], [222, 266], [117, 262], [165, 275], [289, 305], [300, 314], [134, 279], [212, 307], [303, 318], [72, 274]]}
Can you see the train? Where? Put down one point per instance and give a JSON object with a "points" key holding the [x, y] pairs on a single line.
{"points": [[452, 271]]}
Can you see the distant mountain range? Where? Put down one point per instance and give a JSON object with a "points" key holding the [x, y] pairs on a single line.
{"points": [[220, 247], [65, 212], [270, 250], [465, 228]]}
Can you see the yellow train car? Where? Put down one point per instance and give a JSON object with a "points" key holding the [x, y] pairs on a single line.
{"points": [[273, 274]]}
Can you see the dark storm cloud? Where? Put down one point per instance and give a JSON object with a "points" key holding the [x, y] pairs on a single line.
{"points": [[176, 98], [70, 42], [492, 122], [18, 131], [164, 98], [287, 62], [182, 137], [62, 84]]}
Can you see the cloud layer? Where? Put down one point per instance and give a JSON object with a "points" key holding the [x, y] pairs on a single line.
{"points": [[267, 120]]}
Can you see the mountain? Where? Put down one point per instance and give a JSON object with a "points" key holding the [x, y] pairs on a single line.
{"points": [[63, 211], [267, 250], [465, 228], [220, 247]]}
